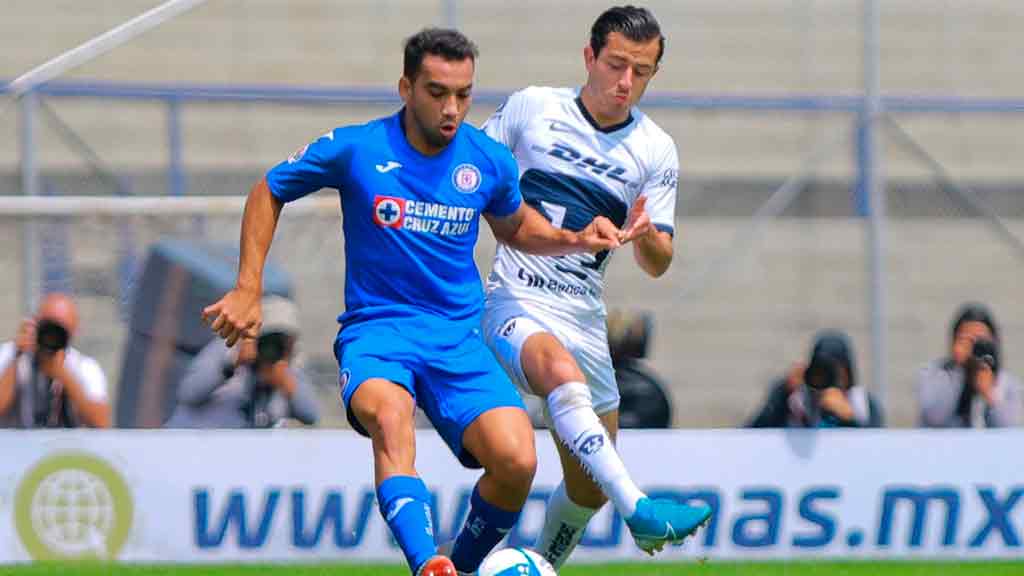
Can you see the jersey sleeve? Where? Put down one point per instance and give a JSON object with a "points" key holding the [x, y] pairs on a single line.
{"points": [[506, 197], [319, 164], [660, 190], [506, 123]]}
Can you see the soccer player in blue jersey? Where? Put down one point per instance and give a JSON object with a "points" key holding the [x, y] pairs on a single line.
{"points": [[413, 187], [586, 152]]}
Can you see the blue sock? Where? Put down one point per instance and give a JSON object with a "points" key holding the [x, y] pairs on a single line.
{"points": [[405, 505], [485, 526]]}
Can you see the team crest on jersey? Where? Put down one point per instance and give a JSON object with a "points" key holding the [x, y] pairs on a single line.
{"points": [[388, 211], [466, 178]]}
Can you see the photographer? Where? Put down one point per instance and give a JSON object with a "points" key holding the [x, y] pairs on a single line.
{"points": [[970, 387], [45, 382], [822, 393], [256, 384]]}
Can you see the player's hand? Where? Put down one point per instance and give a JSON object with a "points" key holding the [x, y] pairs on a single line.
{"points": [[25, 340], [600, 235], [236, 315], [638, 223]]}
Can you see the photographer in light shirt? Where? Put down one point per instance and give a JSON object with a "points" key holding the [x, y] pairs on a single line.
{"points": [[44, 381], [255, 384], [970, 387]]}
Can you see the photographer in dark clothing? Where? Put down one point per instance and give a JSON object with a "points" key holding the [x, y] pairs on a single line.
{"points": [[823, 393], [44, 381], [970, 387], [256, 384]]}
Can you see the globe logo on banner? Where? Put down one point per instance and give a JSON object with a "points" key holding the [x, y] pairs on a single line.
{"points": [[73, 505]]}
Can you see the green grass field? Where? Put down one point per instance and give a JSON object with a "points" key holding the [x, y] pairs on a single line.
{"points": [[702, 569]]}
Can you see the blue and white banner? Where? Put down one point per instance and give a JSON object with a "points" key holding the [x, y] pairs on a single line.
{"points": [[210, 496]]}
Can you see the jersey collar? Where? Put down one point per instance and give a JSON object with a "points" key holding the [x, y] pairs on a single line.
{"points": [[598, 127]]}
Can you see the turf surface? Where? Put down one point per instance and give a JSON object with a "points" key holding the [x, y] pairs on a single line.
{"points": [[703, 569]]}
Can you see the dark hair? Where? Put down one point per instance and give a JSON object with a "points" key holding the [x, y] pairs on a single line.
{"points": [[449, 44], [975, 312], [834, 346], [636, 24]]}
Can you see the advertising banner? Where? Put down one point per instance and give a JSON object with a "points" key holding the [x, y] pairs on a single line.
{"points": [[239, 496]]}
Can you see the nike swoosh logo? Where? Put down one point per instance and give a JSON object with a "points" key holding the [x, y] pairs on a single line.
{"points": [[397, 507], [557, 126], [385, 168]]}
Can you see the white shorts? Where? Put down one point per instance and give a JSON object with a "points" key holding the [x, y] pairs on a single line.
{"points": [[508, 323]]}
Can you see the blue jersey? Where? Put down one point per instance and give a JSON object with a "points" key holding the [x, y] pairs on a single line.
{"points": [[410, 221]]}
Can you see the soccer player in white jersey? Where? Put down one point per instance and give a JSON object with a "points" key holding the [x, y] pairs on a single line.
{"points": [[583, 153]]}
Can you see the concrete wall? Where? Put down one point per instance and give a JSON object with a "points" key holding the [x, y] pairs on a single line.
{"points": [[719, 346]]}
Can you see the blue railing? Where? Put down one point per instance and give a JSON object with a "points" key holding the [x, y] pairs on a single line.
{"points": [[176, 95]]}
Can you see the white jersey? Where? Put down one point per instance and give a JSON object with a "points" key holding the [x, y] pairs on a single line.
{"points": [[572, 171]]}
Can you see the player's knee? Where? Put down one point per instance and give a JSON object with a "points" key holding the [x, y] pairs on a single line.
{"points": [[559, 367], [518, 469], [390, 420]]}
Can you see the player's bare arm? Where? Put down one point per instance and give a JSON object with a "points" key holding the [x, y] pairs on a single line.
{"points": [[652, 248], [237, 314], [529, 231]]}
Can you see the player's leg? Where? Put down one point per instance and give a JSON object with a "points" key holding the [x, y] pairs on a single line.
{"points": [[502, 441], [553, 373], [572, 504], [481, 417], [378, 397]]}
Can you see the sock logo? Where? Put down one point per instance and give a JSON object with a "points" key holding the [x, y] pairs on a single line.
{"points": [[560, 543], [396, 507], [592, 444], [477, 526], [429, 528]]}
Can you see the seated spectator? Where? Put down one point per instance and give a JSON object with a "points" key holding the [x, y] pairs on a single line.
{"points": [[822, 393], [44, 381], [970, 387], [256, 384]]}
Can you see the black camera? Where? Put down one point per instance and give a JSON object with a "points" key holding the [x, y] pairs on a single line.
{"points": [[272, 347], [51, 336], [986, 352], [822, 373]]}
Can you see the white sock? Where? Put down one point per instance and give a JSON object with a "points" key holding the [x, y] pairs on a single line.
{"points": [[564, 524], [579, 428]]}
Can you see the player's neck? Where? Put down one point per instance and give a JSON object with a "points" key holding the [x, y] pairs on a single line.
{"points": [[591, 109], [414, 136]]}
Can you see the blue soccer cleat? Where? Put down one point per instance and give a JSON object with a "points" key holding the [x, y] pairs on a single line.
{"points": [[656, 522]]}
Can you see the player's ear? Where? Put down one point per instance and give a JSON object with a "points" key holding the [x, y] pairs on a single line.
{"points": [[589, 56], [405, 88]]}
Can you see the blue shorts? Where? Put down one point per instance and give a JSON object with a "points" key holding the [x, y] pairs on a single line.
{"points": [[450, 373]]}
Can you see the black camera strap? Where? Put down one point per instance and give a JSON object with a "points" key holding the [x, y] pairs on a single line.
{"points": [[48, 410]]}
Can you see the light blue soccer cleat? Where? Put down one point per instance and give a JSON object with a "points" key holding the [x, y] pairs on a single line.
{"points": [[661, 521]]}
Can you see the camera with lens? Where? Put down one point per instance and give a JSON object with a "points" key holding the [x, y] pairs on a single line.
{"points": [[51, 337], [272, 347], [822, 373], [985, 351]]}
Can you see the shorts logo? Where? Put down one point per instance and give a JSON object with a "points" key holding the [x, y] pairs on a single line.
{"points": [[592, 444], [466, 178], [73, 505], [343, 379], [388, 211], [508, 328]]}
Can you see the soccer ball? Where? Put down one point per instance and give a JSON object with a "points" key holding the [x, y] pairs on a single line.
{"points": [[516, 562]]}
